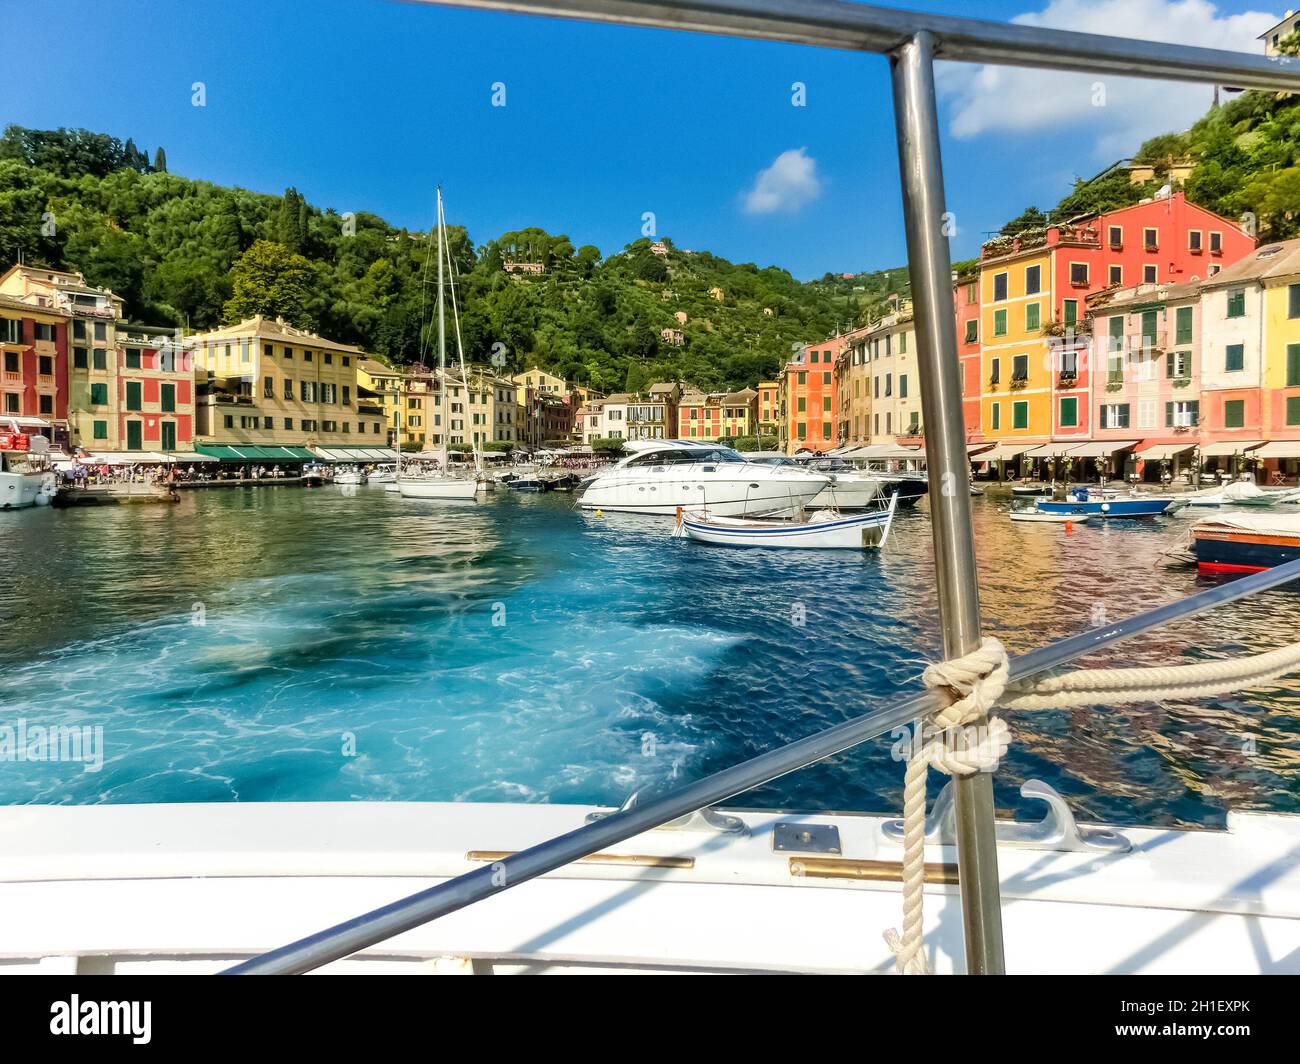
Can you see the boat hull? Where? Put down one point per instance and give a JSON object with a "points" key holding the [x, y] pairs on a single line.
{"points": [[19, 490], [1108, 508], [856, 532], [448, 488], [726, 497], [1218, 552], [1032, 517]]}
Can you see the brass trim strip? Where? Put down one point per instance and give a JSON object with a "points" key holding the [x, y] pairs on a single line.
{"points": [[641, 860], [873, 871]]}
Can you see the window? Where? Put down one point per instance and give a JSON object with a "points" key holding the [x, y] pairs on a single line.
{"points": [[1182, 414], [1070, 308], [288, 423], [306, 357], [80, 358], [1293, 365], [228, 421], [44, 332], [999, 287], [802, 406], [169, 435], [1116, 237], [99, 395], [1032, 311], [1115, 276], [997, 416], [902, 387], [45, 366], [889, 384], [11, 403], [1146, 414], [100, 430], [288, 389], [100, 360], [1216, 244], [1183, 325], [167, 398], [329, 360], [1214, 268], [999, 323], [133, 395], [1148, 329], [826, 430], [803, 378], [1069, 412], [1293, 301], [826, 403], [1149, 274], [995, 371], [101, 331], [902, 343], [1293, 410], [1150, 240], [1194, 241], [826, 379], [1234, 413], [1020, 368], [972, 331], [1033, 280], [1113, 416], [1234, 358], [268, 387], [1116, 334], [1178, 365], [1237, 303], [47, 404], [1020, 415], [1079, 273], [78, 330]]}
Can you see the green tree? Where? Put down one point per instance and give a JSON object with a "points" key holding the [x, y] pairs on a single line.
{"points": [[270, 280]]}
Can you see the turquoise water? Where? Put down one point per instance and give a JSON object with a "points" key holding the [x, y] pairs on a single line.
{"points": [[286, 644]]}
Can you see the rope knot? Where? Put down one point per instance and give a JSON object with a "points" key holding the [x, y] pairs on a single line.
{"points": [[961, 739]]}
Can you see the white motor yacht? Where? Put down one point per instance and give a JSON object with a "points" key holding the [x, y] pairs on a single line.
{"points": [[23, 472], [658, 476]]}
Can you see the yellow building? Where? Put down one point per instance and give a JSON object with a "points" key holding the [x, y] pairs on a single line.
{"points": [[853, 393], [1015, 305], [769, 408], [264, 382], [541, 381], [385, 387], [1280, 403]]}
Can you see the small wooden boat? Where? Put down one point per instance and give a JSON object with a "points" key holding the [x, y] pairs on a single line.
{"points": [[1046, 518], [1245, 543], [820, 530]]}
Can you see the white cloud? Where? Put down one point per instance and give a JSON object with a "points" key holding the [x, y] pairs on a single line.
{"points": [[789, 183], [990, 99]]}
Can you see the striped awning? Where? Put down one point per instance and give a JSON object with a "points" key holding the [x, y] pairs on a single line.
{"points": [[1004, 452], [250, 453], [355, 454], [1100, 448]]}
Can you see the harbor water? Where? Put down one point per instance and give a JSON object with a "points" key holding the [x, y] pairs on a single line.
{"points": [[288, 644]]}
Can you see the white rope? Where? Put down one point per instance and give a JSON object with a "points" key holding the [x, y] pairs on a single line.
{"points": [[960, 739]]}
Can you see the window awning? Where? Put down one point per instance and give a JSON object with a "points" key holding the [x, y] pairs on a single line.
{"points": [[1100, 448], [24, 422], [1004, 452], [1164, 450], [355, 454], [1279, 449], [1228, 447], [1050, 450], [250, 453]]}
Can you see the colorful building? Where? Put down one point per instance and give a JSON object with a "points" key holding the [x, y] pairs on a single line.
{"points": [[385, 387], [651, 415], [717, 415], [1147, 386], [889, 346], [266, 383], [1033, 288], [808, 395], [34, 377], [966, 308], [769, 408]]}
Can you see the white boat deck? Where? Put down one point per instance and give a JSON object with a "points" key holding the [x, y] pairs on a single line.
{"points": [[197, 887]]}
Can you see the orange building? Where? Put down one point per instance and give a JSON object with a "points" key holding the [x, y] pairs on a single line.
{"points": [[808, 388]]}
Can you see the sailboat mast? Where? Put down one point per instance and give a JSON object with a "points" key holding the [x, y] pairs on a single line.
{"points": [[442, 347]]}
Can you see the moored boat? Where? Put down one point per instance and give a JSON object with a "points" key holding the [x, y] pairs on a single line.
{"points": [[1107, 505], [437, 488], [24, 467], [1245, 543], [820, 530], [1043, 517]]}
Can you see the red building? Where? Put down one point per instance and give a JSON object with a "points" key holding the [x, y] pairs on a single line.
{"points": [[966, 306], [34, 376], [155, 393]]}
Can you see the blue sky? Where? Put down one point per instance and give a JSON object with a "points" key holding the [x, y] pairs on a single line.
{"points": [[367, 104]]}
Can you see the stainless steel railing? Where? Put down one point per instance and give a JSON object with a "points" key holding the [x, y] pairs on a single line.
{"points": [[913, 41], [373, 927]]}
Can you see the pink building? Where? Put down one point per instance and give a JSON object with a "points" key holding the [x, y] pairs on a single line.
{"points": [[1145, 379]]}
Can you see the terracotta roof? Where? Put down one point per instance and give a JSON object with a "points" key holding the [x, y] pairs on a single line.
{"points": [[1272, 260], [268, 329]]}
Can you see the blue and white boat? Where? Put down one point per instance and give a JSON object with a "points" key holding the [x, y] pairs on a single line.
{"points": [[820, 530], [1105, 504]]}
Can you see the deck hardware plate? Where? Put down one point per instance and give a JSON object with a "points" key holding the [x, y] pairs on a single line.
{"points": [[1056, 831], [805, 838]]}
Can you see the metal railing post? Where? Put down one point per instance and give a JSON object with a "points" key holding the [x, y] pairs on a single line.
{"points": [[927, 223]]}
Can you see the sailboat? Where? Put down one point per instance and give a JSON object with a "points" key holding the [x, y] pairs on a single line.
{"points": [[444, 486]]}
